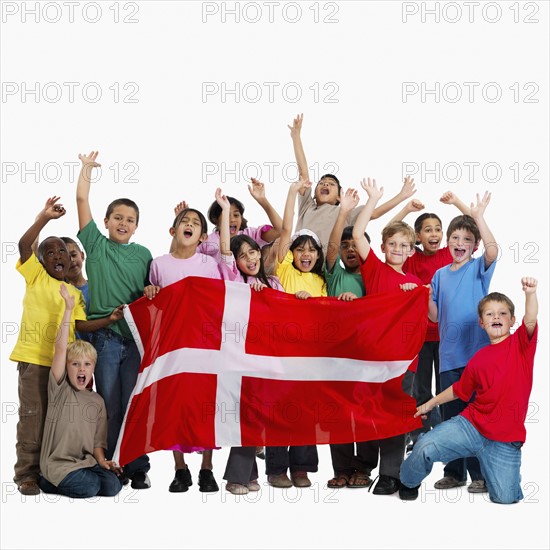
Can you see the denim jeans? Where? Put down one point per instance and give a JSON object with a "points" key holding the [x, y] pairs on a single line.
{"points": [[116, 371], [457, 438], [457, 468], [85, 483]]}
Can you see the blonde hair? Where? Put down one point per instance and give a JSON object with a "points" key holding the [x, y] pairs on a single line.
{"points": [[80, 348], [399, 227]]}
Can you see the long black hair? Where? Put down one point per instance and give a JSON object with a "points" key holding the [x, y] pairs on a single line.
{"points": [[236, 244]]}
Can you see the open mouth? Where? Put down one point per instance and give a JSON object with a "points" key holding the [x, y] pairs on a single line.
{"points": [[496, 325], [81, 380], [434, 242], [324, 191], [232, 229], [59, 267], [306, 264], [351, 257], [188, 233], [252, 266], [460, 252]]}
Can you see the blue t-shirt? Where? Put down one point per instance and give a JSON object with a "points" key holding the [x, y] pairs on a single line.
{"points": [[457, 294]]}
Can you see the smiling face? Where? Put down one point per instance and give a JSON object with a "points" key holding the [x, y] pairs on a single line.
{"points": [[461, 243], [249, 260], [54, 257], [121, 224], [327, 191], [80, 369], [397, 249], [188, 232], [430, 235], [497, 320], [349, 255], [77, 258], [305, 256]]}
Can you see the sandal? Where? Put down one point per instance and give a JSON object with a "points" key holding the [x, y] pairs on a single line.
{"points": [[339, 481], [359, 480]]}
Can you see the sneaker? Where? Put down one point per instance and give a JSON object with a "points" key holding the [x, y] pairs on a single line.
{"points": [[237, 488], [477, 486], [181, 482], [280, 481], [29, 488], [448, 482], [140, 480], [408, 493], [253, 486], [300, 479]]}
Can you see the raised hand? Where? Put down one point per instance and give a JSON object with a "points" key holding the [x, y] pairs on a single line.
{"points": [[296, 127], [529, 285], [448, 198], [408, 189], [52, 210], [371, 188], [180, 207], [415, 205], [257, 189], [349, 200], [89, 159], [301, 184], [479, 208], [67, 297], [222, 200]]}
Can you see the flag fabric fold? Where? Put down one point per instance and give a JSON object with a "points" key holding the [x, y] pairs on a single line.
{"points": [[224, 365]]}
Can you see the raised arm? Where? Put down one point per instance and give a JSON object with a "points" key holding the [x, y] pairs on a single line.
{"points": [[295, 134], [29, 241], [83, 188], [60, 352], [450, 198], [407, 191], [223, 222], [489, 242], [299, 186], [529, 286], [257, 190], [361, 243], [413, 205], [348, 202]]}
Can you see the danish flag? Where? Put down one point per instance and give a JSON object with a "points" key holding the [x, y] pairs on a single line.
{"points": [[224, 365]]}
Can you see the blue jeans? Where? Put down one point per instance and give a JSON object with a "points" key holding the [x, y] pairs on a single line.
{"points": [[457, 438], [116, 371], [457, 468], [85, 483]]}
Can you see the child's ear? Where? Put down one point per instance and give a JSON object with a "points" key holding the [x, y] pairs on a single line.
{"points": [[172, 231], [106, 220], [203, 238], [383, 248], [412, 251], [480, 321]]}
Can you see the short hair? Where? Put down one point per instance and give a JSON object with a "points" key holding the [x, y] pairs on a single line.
{"points": [[68, 240], [40, 251], [302, 240], [347, 234], [464, 222], [123, 202], [495, 297], [398, 227], [332, 177], [184, 212], [215, 210], [81, 348]]}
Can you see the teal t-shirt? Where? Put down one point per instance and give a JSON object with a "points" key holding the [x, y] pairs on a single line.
{"points": [[341, 280], [117, 274]]}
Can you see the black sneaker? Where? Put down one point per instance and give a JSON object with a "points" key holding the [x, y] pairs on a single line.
{"points": [[181, 482], [140, 480], [408, 493], [207, 483]]}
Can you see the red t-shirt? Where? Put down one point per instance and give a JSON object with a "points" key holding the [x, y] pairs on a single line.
{"points": [[424, 266], [502, 376], [380, 277]]}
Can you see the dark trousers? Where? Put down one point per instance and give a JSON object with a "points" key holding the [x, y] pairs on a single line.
{"points": [[301, 458], [241, 465]]}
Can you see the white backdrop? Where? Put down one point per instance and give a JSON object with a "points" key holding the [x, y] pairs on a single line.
{"points": [[180, 97]]}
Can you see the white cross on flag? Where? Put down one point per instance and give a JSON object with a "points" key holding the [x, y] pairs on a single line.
{"points": [[224, 365]]}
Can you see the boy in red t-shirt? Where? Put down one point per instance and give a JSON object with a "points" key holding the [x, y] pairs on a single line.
{"points": [[492, 426], [398, 240]]}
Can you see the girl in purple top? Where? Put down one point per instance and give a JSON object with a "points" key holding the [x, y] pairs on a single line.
{"points": [[188, 231]]}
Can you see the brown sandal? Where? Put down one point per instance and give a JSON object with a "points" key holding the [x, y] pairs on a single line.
{"points": [[339, 481], [359, 480]]}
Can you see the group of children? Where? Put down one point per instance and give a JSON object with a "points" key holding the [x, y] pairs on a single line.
{"points": [[328, 253]]}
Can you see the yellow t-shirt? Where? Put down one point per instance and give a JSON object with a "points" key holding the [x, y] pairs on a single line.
{"points": [[43, 309], [294, 280]]}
